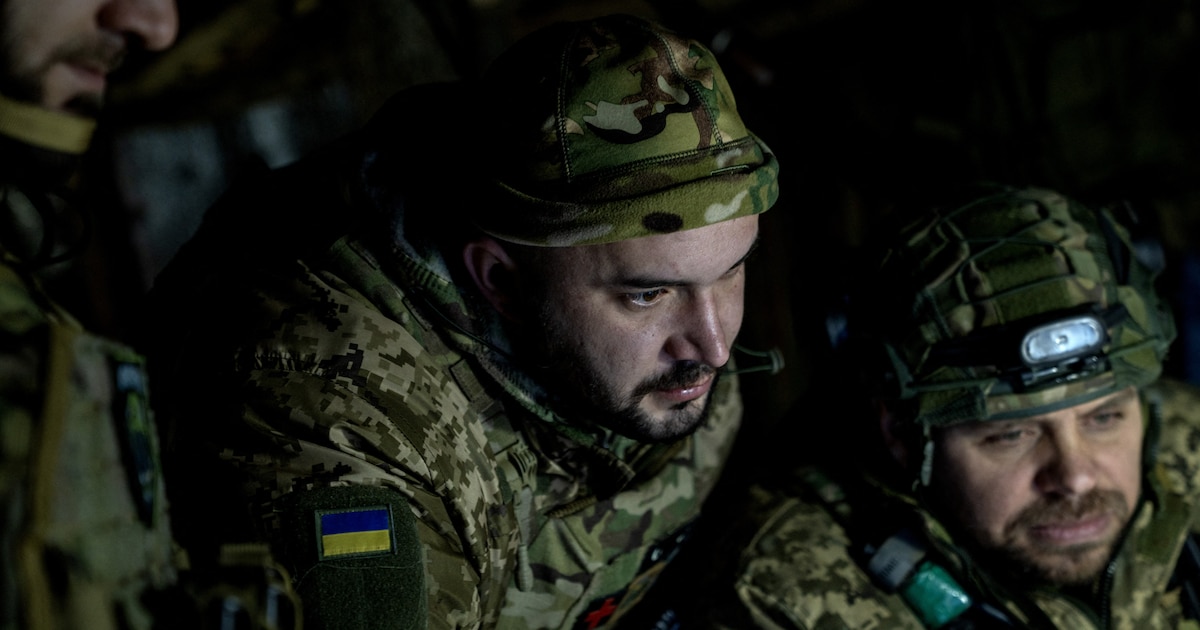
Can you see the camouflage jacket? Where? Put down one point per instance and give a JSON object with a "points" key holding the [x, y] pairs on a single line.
{"points": [[799, 570], [84, 534], [402, 468]]}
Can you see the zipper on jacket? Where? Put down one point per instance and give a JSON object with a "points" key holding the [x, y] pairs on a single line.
{"points": [[1106, 594]]}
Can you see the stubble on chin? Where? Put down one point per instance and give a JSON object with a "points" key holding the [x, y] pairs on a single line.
{"points": [[674, 423], [1023, 557], [27, 81], [583, 387], [585, 391]]}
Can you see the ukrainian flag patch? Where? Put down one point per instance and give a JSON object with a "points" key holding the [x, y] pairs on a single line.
{"points": [[354, 532]]}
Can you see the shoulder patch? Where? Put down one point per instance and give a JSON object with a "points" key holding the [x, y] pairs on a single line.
{"points": [[355, 557], [354, 532]]}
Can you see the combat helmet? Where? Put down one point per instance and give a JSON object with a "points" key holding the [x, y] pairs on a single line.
{"points": [[614, 128], [1015, 303]]}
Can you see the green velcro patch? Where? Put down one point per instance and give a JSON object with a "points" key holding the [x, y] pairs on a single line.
{"points": [[355, 557]]}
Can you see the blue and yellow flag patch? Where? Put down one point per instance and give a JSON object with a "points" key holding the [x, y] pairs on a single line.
{"points": [[354, 532]]}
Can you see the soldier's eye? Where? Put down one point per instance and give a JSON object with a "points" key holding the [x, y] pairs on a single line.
{"points": [[645, 298]]}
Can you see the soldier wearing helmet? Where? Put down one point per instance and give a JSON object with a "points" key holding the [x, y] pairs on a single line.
{"points": [[1030, 467], [84, 536], [470, 367]]}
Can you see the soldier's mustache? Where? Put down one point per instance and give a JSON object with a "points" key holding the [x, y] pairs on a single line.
{"points": [[683, 374], [103, 53], [1092, 504]]}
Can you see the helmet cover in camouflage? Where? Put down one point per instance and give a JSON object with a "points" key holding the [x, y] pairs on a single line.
{"points": [[962, 288], [615, 128]]}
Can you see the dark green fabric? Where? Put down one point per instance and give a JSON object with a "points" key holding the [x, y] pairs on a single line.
{"points": [[368, 592]]}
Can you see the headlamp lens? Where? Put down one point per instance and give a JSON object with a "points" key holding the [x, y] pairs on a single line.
{"points": [[1061, 340]]}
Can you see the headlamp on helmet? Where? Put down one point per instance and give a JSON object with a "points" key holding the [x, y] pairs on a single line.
{"points": [[1018, 303], [1035, 353], [1063, 341]]}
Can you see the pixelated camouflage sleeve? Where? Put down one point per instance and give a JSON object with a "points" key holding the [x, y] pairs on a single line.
{"points": [[293, 475], [797, 573], [336, 395]]}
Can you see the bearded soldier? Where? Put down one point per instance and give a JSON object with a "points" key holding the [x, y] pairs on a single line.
{"points": [[1025, 465], [471, 366]]}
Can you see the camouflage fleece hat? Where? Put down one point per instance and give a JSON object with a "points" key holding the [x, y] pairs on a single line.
{"points": [[615, 128], [1018, 303]]}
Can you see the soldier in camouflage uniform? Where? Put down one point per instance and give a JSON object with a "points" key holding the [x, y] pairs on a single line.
{"points": [[84, 535], [1028, 469], [468, 367]]}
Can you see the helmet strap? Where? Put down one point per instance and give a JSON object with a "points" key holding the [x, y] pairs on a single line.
{"points": [[926, 455]]}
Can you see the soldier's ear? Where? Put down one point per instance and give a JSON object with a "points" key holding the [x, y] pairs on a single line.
{"points": [[894, 439], [494, 273]]}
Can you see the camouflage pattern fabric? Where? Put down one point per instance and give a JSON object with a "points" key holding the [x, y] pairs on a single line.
{"points": [[362, 368], [1005, 259], [360, 405], [798, 571], [616, 128], [84, 534]]}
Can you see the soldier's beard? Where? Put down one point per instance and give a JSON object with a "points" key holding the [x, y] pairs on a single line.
{"points": [[1023, 557], [625, 415], [25, 82], [585, 389]]}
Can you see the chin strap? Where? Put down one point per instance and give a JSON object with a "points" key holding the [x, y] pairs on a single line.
{"points": [[46, 129]]}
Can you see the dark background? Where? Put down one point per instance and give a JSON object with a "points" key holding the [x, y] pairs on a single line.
{"points": [[866, 102]]}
